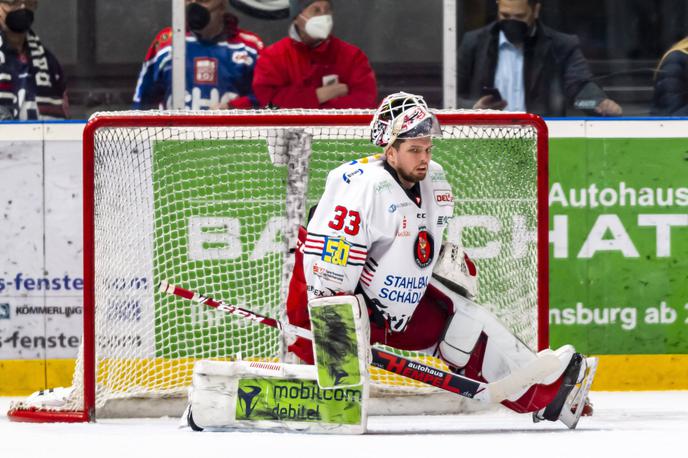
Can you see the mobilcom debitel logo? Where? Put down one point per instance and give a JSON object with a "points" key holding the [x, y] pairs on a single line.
{"points": [[248, 398]]}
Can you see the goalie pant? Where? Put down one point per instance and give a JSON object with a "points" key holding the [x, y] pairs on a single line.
{"points": [[487, 361]]}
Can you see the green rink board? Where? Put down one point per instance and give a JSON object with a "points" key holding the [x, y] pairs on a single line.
{"points": [[627, 291], [246, 190]]}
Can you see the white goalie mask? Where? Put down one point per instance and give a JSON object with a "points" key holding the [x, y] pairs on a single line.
{"points": [[402, 116], [456, 271]]}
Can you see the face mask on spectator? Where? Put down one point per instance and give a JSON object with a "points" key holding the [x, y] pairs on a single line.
{"points": [[19, 21], [197, 16], [515, 31], [319, 27]]}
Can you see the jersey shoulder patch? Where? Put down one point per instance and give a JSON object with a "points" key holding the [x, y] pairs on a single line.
{"points": [[163, 39]]}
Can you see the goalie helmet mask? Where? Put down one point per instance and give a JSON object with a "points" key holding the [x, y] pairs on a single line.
{"points": [[402, 116]]}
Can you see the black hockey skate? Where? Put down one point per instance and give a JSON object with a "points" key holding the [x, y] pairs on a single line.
{"points": [[571, 400]]}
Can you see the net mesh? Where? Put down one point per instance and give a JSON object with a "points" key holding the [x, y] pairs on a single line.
{"points": [[214, 210]]}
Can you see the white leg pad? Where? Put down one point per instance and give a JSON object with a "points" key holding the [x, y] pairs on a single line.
{"points": [[504, 352], [459, 339], [272, 396]]}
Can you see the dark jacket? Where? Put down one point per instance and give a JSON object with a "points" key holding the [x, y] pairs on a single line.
{"points": [[671, 86], [32, 84], [555, 70]]}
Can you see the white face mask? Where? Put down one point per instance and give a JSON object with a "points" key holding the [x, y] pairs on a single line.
{"points": [[319, 27]]}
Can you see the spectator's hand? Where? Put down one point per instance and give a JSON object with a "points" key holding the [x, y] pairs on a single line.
{"points": [[488, 102], [608, 107], [331, 91]]}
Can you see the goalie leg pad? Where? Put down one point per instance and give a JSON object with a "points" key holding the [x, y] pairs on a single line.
{"points": [[503, 351], [341, 340], [460, 339], [475, 340], [271, 396]]}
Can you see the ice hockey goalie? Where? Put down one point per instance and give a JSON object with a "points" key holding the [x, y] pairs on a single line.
{"points": [[377, 232]]}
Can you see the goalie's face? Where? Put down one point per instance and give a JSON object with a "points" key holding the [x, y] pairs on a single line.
{"points": [[410, 159]]}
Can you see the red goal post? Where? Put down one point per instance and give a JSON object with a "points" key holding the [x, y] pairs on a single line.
{"points": [[176, 142]]}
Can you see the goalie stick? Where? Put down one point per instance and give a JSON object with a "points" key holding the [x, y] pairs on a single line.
{"points": [[492, 392]]}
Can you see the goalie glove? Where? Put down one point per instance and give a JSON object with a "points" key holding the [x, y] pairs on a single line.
{"points": [[456, 271]]}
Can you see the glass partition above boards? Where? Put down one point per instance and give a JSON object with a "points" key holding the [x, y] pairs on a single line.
{"points": [[556, 58]]}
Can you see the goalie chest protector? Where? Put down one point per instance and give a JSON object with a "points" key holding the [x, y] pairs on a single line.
{"points": [[366, 230]]}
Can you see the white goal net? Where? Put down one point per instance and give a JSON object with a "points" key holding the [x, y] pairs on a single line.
{"points": [[212, 202]]}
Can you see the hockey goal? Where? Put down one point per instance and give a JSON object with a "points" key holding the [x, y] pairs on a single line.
{"points": [[212, 202]]}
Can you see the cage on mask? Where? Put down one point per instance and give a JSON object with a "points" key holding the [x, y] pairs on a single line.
{"points": [[402, 116]]}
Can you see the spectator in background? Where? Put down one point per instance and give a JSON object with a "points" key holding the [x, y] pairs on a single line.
{"points": [[220, 59], [311, 68], [519, 64], [32, 84], [671, 82]]}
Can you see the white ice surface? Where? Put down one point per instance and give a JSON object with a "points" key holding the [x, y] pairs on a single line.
{"points": [[642, 424]]}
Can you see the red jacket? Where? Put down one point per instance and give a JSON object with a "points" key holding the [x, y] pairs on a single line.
{"points": [[288, 73]]}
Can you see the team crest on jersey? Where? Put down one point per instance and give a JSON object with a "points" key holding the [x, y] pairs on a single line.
{"points": [[205, 70], [424, 248]]}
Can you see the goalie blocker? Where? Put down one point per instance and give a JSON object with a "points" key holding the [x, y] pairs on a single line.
{"points": [[468, 338]]}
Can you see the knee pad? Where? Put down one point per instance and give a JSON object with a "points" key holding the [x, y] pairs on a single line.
{"points": [[459, 340], [503, 350]]}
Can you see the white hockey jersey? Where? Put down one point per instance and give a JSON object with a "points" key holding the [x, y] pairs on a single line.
{"points": [[368, 231]]}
